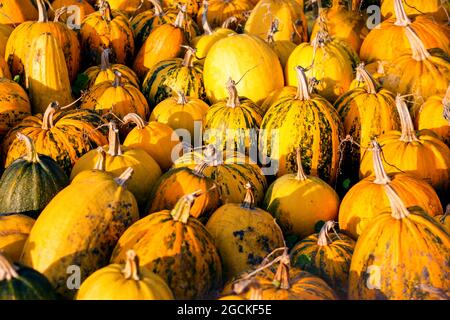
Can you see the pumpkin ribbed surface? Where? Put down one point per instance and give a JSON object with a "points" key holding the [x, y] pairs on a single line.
{"points": [[14, 104], [14, 231]]}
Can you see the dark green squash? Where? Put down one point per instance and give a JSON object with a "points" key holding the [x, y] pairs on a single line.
{"points": [[18, 282], [30, 182]]}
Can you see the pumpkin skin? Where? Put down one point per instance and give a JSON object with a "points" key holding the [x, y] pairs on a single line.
{"points": [[326, 255], [436, 8], [190, 6], [19, 43], [418, 153], [405, 271], [165, 242], [106, 29], [124, 282], [293, 25], [30, 182], [14, 231], [97, 210], [4, 69], [14, 105], [277, 95], [14, 12], [232, 57], [5, 32], [283, 48], [116, 159], [444, 218], [304, 120], [203, 43], [243, 235], [130, 7], [155, 138], [47, 76], [83, 6], [168, 77], [319, 202], [367, 199], [64, 136], [18, 282], [218, 11]]}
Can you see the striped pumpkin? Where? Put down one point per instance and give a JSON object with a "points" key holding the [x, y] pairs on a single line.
{"points": [[305, 121], [327, 255], [218, 11], [14, 105], [14, 231], [444, 219], [233, 124], [189, 6], [168, 77], [130, 7], [177, 247], [64, 136]]}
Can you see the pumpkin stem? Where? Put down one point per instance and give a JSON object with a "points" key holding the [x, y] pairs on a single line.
{"points": [[399, 210], [188, 60], [302, 88], [31, 155], [322, 239], [159, 12], [205, 24], [408, 133], [114, 141], [274, 28], [131, 270], [104, 64], [249, 199], [281, 279], [381, 177], [380, 67], [233, 97], [101, 161], [227, 22], [47, 119], [7, 270], [402, 19], [43, 17], [419, 52], [178, 23], [367, 78], [124, 177], [182, 210], [322, 37], [136, 119], [117, 79], [59, 12], [301, 176], [105, 10], [181, 98], [253, 287], [199, 168]]}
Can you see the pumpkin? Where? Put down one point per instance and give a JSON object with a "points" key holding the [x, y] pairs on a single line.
{"points": [[436, 8], [277, 95], [177, 247], [341, 23], [14, 105], [14, 231], [64, 135], [74, 11], [218, 11], [5, 32], [366, 112], [293, 25], [319, 202], [18, 282], [390, 40], [155, 138], [306, 121], [328, 60], [124, 282], [117, 159], [97, 210], [170, 76], [243, 234], [232, 124], [106, 72], [117, 97], [283, 48], [30, 182], [434, 114], [367, 199], [183, 114], [14, 12], [4, 69], [245, 57], [47, 78], [417, 153], [230, 171], [106, 29], [189, 6], [20, 40], [130, 7], [400, 255], [444, 218], [326, 255]]}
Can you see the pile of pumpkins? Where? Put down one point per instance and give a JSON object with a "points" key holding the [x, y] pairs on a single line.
{"points": [[120, 178]]}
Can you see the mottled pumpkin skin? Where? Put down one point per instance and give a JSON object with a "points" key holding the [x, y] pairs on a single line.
{"points": [[71, 136], [219, 11], [436, 8], [14, 231], [276, 95], [14, 12], [130, 7], [367, 199], [145, 22], [192, 6], [30, 285], [330, 262], [182, 254], [27, 187], [243, 237], [84, 7], [14, 105], [393, 257], [96, 75], [444, 219], [96, 212]]}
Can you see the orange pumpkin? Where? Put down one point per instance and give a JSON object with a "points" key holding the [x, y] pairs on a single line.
{"points": [[14, 104], [14, 12]]}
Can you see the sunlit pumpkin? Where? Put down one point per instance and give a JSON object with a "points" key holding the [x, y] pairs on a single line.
{"points": [[130, 7], [14, 231], [437, 8], [14, 12], [218, 11], [283, 48], [14, 105]]}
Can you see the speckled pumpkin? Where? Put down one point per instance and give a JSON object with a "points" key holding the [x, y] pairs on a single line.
{"points": [[14, 231], [14, 105]]}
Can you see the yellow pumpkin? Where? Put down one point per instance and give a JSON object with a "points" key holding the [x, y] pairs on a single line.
{"points": [[14, 231], [444, 218], [437, 8], [97, 210], [246, 58], [157, 139], [130, 7], [5, 31], [276, 96], [218, 11], [367, 199], [14, 12], [73, 11], [283, 48], [124, 282], [14, 105]]}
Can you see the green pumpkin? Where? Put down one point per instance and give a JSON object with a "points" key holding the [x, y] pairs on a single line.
{"points": [[30, 182], [18, 282]]}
